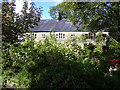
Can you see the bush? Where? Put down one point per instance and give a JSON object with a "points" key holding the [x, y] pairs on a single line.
{"points": [[54, 65]]}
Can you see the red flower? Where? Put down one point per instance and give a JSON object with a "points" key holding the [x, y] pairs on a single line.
{"points": [[115, 61]]}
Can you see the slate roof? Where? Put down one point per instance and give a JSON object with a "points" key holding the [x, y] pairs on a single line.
{"points": [[54, 25]]}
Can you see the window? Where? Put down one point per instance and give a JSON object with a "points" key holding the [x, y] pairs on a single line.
{"points": [[56, 35], [104, 36], [43, 35], [86, 36], [72, 35], [60, 35], [35, 35], [91, 36], [63, 35]]}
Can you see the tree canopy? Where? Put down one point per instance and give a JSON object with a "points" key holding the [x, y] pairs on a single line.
{"points": [[94, 16], [51, 64], [15, 25]]}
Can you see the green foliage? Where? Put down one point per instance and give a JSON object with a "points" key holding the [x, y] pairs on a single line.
{"points": [[14, 25], [50, 64], [93, 16], [100, 42], [114, 48]]}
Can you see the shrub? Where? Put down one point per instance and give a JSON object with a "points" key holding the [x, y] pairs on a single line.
{"points": [[54, 65]]}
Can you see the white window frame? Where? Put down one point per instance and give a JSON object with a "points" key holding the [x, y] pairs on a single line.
{"points": [[91, 35], [43, 35], [104, 36], [56, 35], [60, 36], [72, 35], [35, 35]]}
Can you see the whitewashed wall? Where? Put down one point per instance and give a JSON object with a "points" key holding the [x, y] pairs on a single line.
{"points": [[39, 35]]}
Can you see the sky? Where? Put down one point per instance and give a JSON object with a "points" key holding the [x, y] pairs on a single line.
{"points": [[46, 7], [45, 4]]}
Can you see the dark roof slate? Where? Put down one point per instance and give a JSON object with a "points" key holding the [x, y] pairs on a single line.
{"points": [[54, 25]]}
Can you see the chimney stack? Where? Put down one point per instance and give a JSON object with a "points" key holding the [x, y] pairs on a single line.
{"points": [[58, 16]]}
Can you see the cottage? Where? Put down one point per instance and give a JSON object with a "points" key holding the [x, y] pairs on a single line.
{"points": [[63, 30]]}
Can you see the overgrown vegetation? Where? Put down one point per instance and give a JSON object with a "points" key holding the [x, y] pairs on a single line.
{"points": [[93, 16], [55, 65], [15, 25], [51, 64]]}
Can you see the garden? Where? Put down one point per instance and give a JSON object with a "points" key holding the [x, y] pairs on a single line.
{"points": [[51, 64]]}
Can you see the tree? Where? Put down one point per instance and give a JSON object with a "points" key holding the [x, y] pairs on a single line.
{"points": [[14, 25], [0, 24], [94, 16]]}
